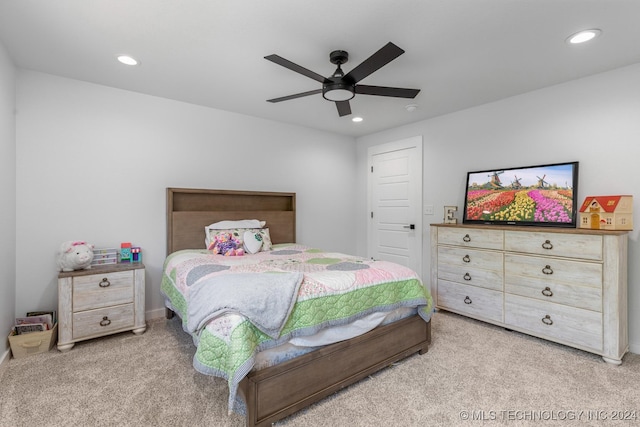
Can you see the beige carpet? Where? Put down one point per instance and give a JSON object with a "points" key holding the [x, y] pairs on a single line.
{"points": [[472, 370]]}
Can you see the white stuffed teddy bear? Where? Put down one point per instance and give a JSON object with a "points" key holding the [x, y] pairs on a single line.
{"points": [[75, 255]]}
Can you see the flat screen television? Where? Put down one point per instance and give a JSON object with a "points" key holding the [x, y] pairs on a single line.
{"points": [[544, 195]]}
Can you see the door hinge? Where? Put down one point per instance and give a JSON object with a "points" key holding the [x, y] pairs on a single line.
{"points": [[372, 214], [371, 169]]}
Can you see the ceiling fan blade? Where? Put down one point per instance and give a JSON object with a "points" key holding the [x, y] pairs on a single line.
{"points": [[297, 95], [386, 54], [295, 67], [344, 109], [387, 91]]}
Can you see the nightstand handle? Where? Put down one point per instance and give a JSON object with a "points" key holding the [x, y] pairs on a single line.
{"points": [[547, 320], [104, 283], [105, 321]]}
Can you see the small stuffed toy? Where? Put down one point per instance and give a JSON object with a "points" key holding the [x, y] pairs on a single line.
{"points": [[227, 245], [75, 255]]}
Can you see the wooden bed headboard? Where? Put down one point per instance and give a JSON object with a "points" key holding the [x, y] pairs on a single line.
{"points": [[189, 210]]}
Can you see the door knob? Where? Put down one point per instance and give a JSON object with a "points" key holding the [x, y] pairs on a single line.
{"points": [[410, 226]]}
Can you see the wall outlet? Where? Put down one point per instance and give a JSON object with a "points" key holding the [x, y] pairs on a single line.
{"points": [[428, 209]]}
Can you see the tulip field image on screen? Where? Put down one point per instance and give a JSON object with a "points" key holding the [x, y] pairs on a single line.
{"points": [[538, 194]]}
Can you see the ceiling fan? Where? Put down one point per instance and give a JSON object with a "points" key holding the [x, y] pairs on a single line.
{"points": [[341, 87]]}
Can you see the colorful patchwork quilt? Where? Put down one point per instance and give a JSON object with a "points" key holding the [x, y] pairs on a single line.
{"points": [[335, 290]]}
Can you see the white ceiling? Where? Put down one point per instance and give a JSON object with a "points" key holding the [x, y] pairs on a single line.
{"points": [[460, 53]]}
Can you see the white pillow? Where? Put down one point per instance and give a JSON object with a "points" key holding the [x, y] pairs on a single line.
{"points": [[244, 223]]}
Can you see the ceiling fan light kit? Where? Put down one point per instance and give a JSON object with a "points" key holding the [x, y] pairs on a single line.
{"points": [[338, 91], [341, 88]]}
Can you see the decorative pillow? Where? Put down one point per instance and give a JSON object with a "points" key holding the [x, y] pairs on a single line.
{"points": [[238, 235], [266, 238], [227, 225], [252, 241], [225, 244]]}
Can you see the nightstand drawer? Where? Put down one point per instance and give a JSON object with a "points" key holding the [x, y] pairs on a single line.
{"points": [[102, 290], [102, 321]]}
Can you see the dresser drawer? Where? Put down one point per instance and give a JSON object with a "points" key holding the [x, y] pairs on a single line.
{"points": [[471, 301], [569, 325], [570, 295], [102, 290], [573, 283], [471, 266], [549, 270], [471, 237], [580, 246], [102, 321]]}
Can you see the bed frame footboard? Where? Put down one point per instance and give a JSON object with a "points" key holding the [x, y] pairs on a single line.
{"points": [[279, 391]]}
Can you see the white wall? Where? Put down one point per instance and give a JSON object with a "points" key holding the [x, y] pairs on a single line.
{"points": [[8, 197], [595, 120], [93, 164]]}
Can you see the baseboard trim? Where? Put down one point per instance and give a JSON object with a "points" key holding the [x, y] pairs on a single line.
{"points": [[155, 314], [4, 360]]}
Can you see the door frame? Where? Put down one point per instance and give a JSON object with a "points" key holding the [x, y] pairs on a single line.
{"points": [[403, 144]]}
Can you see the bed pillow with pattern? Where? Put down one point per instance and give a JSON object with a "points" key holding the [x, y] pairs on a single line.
{"points": [[211, 230], [250, 240]]}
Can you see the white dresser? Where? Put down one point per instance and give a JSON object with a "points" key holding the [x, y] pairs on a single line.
{"points": [[563, 285], [100, 301]]}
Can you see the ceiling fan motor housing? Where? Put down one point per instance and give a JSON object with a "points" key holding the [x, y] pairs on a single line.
{"points": [[338, 57]]}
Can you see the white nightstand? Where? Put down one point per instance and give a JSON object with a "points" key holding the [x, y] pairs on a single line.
{"points": [[100, 301]]}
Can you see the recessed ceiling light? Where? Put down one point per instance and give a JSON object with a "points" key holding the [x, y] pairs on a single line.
{"points": [[411, 107], [357, 119], [127, 60], [583, 36]]}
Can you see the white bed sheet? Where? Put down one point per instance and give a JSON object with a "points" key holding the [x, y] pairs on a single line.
{"points": [[302, 345]]}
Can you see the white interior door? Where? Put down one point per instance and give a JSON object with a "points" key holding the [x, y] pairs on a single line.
{"points": [[395, 202]]}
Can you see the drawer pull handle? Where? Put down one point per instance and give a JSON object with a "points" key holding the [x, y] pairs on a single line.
{"points": [[547, 269], [467, 300], [547, 320], [466, 258], [547, 245], [466, 238], [466, 277], [547, 292], [105, 321], [104, 283]]}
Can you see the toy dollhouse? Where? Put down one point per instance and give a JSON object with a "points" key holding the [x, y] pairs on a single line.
{"points": [[606, 213]]}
